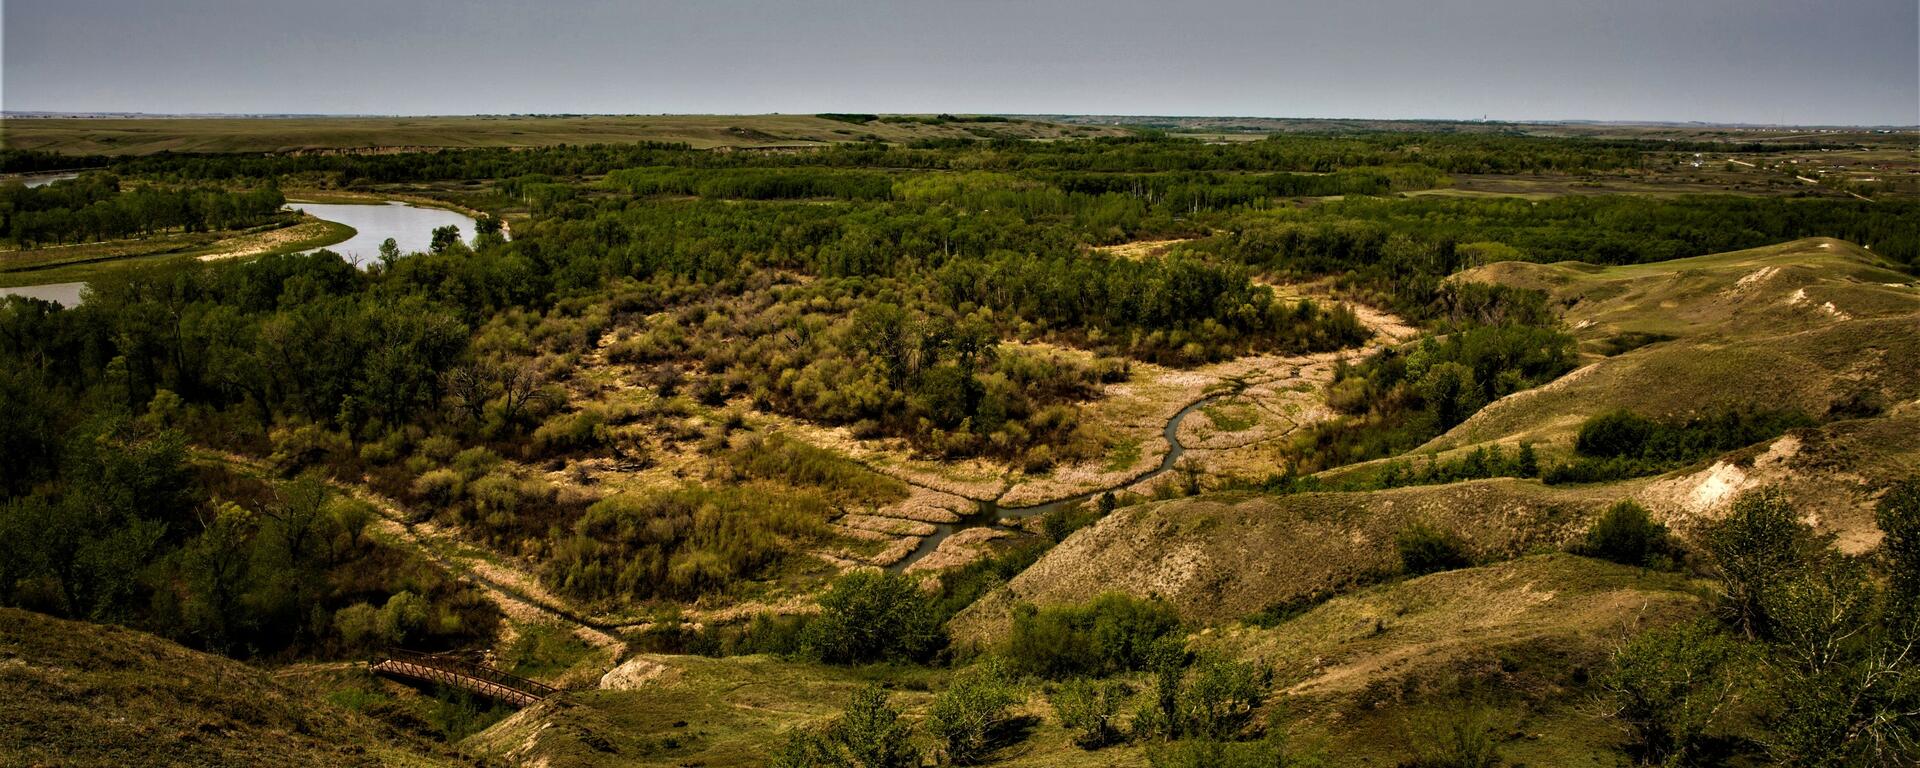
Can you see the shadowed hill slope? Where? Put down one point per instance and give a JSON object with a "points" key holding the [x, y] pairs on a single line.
{"points": [[80, 694]]}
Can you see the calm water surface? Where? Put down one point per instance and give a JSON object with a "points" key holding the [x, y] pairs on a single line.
{"points": [[410, 226]]}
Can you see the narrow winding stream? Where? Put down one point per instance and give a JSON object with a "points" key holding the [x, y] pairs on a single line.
{"points": [[991, 514]]}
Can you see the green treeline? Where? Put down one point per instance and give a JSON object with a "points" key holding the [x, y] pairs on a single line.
{"points": [[1396, 252], [122, 526], [1178, 309], [1402, 397], [94, 207], [1621, 444], [1145, 153], [753, 183]]}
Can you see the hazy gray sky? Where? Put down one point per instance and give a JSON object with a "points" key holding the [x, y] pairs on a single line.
{"points": [[1794, 61]]}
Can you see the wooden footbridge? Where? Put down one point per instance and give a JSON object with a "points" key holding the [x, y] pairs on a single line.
{"points": [[455, 672]]}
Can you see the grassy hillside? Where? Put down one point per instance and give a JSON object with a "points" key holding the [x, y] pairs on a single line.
{"points": [[677, 710], [1810, 325], [1354, 678], [80, 694], [136, 136], [1511, 640], [1221, 558], [1803, 325]]}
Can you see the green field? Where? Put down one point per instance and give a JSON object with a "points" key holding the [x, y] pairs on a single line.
{"points": [[80, 263], [138, 136]]}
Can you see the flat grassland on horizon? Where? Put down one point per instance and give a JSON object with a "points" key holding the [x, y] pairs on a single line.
{"points": [[143, 135]]}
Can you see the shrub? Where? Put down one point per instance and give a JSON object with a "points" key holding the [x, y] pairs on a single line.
{"points": [[1668, 687], [1627, 535], [869, 616], [358, 625], [440, 487], [570, 433], [1221, 697], [1464, 740], [1109, 635], [296, 448], [1616, 433], [403, 619], [965, 719], [1757, 547], [683, 542], [868, 734], [1090, 708], [1425, 549], [1158, 717], [1898, 514]]}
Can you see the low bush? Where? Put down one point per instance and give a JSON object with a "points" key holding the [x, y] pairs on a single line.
{"points": [[1109, 635], [869, 616], [1426, 549], [1091, 709], [966, 719], [1456, 740], [1627, 535], [868, 734]]}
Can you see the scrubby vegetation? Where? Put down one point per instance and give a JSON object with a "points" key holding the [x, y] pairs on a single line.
{"points": [[697, 393], [1621, 444], [1114, 633], [1811, 658], [1401, 398]]}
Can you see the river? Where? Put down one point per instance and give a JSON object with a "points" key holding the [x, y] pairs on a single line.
{"points": [[992, 514], [411, 226], [45, 179]]}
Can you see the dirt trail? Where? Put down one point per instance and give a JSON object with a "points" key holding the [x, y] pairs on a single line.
{"points": [[1272, 376], [515, 592]]}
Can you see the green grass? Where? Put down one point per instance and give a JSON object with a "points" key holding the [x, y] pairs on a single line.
{"points": [[695, 711], [1224, 556], [73, 693], [1232, 417], [1747, 328], [1510, 640], [75, 264], [1122, 455], [544, 650], [135, 136]]}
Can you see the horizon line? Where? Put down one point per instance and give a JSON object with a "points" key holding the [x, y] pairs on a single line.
{"points": [[135, 115]]}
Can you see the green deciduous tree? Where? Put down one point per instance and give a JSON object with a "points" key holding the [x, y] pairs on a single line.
{"points": [[967, 717], [1671, 687], [1091, 709], [870, 616], [868, 734]]}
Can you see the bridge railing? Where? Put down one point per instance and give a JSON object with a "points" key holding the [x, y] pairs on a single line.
{"points": [[462, 668]]}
